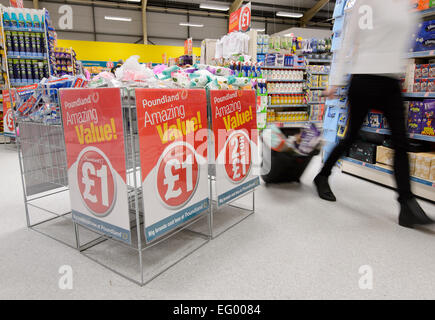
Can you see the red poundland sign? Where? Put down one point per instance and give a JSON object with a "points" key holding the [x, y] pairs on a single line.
{"points": [[240, 20], [173, 152], [94, 139]]}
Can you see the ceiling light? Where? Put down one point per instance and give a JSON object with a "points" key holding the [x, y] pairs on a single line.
{"points": [[289, 14], [212, 6], [260, 30], [133, 0], [117, 18], [188, 24]]}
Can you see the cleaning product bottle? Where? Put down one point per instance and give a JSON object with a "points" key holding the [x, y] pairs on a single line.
{"points": [[6, 20], [29, 22], [36, 23], [21, 21], [14, 20]]}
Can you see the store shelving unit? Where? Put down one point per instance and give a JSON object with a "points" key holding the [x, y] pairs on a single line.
{"points": [[388, 132], [42, 59], [384, 174]]}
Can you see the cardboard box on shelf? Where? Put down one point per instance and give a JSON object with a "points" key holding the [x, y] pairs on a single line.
{"points": [[412, 159], [385, 155], [432, 170], [423, 164]]}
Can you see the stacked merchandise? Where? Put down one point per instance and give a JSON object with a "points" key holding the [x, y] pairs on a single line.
{"points": [[422, 164], [421, 117], [335, 115], [3, 62], [40, 102], [234, 43], [424, 78], [66, 62], [25, 42], [51, 43]]}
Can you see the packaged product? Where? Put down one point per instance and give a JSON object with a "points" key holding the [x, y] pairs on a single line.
{"points": [[423, 85], [425, 70], [417, 73], [412, 158], [423, 164], [417, 85], [385, 155]]}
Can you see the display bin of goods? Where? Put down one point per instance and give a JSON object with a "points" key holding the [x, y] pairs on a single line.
{"points": [[289, 155]]}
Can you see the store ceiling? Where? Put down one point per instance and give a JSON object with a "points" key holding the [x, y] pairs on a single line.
{"points": [[260, 8]]}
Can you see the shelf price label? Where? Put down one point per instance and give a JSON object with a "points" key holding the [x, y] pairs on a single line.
{"points": [[173, 134], [94, 140], [236, 142]]}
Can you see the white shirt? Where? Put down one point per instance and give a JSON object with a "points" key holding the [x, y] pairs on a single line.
{"points": [[376, 38]]}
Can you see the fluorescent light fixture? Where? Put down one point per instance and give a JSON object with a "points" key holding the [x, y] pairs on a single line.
{"points": [[188, 24], [260, 30], [133, 0], [211, 6], [289, 14], [118, 18]]}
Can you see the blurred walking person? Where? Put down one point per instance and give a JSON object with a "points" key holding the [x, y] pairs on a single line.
{"points": [[377, 36]]}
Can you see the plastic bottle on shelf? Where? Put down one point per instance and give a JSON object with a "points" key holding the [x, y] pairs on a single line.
{"points": [[36, 22], [21, 21], [29, 22], [14, 20], [7, 20]]}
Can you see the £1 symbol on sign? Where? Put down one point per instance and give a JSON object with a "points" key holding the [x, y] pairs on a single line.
{"points": [[177, 174], [96, 181], [9, 120], [245, 19], [238, 157]]}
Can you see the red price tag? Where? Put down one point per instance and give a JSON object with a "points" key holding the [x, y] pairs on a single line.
{"points": [[177, 175], [96, 181], [238, 157]]}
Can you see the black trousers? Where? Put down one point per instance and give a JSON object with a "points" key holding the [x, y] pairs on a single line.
{"points": [[368, 92]]}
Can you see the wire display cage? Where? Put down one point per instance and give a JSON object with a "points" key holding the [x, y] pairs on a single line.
{"points": [[44, 174]]}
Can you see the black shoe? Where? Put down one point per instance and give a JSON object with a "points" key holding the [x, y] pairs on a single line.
{"points": [[412, 214], [323, 189]]}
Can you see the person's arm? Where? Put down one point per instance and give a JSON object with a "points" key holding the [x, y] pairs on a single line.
{"points": [[348, 44]]}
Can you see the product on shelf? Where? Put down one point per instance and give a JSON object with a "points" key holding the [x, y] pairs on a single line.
{"points": [[285, 87], [363, 151], [283, 74], [287, 99], [421, 116], [419, 5]]}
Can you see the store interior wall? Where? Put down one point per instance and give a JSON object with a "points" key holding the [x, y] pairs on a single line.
{"points": [[163, 28]]}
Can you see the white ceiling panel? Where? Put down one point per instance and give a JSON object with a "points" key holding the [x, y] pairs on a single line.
{"points": [[133, 27], [166, 25]]}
